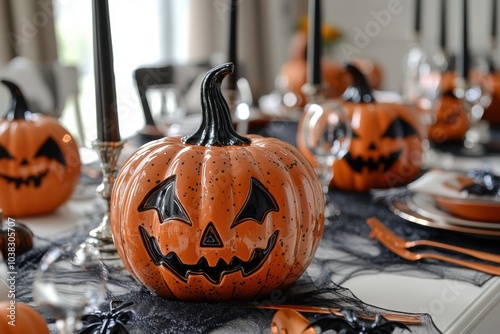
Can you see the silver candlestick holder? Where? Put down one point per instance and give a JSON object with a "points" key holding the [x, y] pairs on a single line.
{"points": [[101, 236]]}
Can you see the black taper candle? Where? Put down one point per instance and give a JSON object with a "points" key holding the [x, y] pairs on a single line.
{"points": [[314, 43], [443, 25], [418, 16], [232, 45], [106, 108], [463, 59], [494, 24]]}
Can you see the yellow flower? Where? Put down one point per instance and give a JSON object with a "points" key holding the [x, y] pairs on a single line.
{"points": [[329, 32]]}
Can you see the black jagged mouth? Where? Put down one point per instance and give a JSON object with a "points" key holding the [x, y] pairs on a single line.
{"points": [[215, 273], [357, 164], [35, 180]]}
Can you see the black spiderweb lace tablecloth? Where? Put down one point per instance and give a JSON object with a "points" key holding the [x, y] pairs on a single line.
{"points": [[346, 251]]}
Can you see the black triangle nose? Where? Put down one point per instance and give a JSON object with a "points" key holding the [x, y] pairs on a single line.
{"points": [[372, 146], [24, 162], [211, 237]]}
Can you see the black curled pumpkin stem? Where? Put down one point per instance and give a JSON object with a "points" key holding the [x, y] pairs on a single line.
{"points": [[18, 108], [359, 91], [216, 127]]}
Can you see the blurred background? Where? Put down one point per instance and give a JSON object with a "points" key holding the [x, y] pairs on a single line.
{"points": [[55, 36]]}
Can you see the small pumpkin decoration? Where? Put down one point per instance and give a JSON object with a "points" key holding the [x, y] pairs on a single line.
{"points": [[17, 233], [451, 120], [492, 112], [216, 216], [451, 115], [386, 145], [20, 318], [293, 73], [39, 160]]}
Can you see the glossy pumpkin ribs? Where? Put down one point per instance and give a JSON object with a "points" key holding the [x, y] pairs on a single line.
{"points": [[39, 160], [216, 216]]}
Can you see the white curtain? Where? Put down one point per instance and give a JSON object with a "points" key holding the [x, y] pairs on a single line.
{"points": [[27, 29]]}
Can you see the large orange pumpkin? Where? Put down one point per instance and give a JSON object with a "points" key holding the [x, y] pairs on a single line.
{"points": [[386, 148], [39, 160], [20, 318], [216, 216]]}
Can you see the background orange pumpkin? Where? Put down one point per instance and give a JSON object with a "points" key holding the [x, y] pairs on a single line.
{"points": [[216, 216], [39, 160], [451, 116], [492, 113], [27, 319], [293, 72], [386, 148]]}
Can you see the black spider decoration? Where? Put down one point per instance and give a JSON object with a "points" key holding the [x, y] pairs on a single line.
{"points": [[485, 183], [112, 322], [350, 324]]}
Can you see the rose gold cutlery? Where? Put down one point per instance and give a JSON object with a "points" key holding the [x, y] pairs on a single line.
{"points": [[376, 224], [287, 321], [414, 256], [403, 318]]}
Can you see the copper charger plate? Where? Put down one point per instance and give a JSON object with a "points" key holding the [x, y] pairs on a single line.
{"points": [[401, 209]]}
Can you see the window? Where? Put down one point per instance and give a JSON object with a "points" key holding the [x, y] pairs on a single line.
{"points": [[136, 36]]}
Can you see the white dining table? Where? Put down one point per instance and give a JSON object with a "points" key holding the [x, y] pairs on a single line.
{"points": [[456, 307]]}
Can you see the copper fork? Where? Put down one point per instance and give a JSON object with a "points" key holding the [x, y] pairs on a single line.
{"points": [[376, 224], [413, 256]]}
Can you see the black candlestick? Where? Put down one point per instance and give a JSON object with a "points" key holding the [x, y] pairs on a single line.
{"points": [[106, 110], [232, 45], [314, 48], [494, 23], [443, 26], [418, 15], [463, 58]]}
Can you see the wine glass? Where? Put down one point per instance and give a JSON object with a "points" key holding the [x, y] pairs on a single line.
{"points": [[69, 281], [426, 98], [476, 94], [167, 106], [327, 135]]}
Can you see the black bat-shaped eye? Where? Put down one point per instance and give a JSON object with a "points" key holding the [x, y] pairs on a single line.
{"points": [[258, 203], [4, 154], [163, 199], [51, 150], [399, 129]]}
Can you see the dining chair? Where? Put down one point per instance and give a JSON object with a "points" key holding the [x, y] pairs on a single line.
{"points": [[154, 77]]}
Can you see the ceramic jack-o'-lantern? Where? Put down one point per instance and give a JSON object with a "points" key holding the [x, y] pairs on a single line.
{"points": [[386, 148], [492, 112], [451, 115], [216, 216], [39, 160]]}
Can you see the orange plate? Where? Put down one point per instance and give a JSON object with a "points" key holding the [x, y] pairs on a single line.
{"points": [[485, 211]]}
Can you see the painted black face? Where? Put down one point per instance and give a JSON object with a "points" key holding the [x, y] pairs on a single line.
{"points": [[163, 199], [49, 150], [399, 128]]}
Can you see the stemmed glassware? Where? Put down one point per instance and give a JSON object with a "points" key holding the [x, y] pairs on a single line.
{"points": [[426, 97], [69, 281], [327, 134], [167, 106], [475, 92]]}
